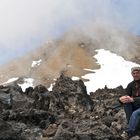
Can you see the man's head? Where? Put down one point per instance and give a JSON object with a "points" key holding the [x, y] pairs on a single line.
{"points": [[135, 71]]}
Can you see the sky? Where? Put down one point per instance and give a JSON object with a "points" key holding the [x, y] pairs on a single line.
{"points": [[27, 24]]}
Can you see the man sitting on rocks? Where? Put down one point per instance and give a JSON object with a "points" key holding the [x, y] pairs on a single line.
{"points": [[131, 102]]}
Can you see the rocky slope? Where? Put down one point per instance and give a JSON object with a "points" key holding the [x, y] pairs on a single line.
{"points": [[72, 52], [65, 113]]}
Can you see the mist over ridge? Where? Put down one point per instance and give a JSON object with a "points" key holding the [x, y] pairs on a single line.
{"points": [[72, 53], [28, 24]]}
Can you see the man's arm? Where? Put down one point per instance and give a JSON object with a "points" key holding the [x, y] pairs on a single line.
{"points": [[126, 99], [136, 99]]}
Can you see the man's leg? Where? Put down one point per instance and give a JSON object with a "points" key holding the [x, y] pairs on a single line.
{"points": [[128, 108], [134, 120]]}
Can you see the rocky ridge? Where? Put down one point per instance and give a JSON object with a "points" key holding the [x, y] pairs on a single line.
{"points": [[65, 113]]}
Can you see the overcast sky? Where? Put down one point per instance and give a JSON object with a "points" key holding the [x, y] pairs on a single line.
{"points": [[29, 23]]}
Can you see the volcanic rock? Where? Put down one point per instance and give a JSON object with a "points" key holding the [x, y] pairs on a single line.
{"points": [[65, 113]]}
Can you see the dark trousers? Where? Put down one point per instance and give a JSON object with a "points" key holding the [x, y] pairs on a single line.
{"points": [[133, 115]]}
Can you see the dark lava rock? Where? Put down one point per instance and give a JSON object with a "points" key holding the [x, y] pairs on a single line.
{"points": [[65, 113]]}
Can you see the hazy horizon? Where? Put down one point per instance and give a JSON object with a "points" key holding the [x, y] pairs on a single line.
{"points": [[26, 25]]}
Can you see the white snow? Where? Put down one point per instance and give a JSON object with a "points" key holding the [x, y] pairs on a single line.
{"points": [[75, 78], [114, 71], [10, 80], [36, 63], [50, 88], [28, 82]]}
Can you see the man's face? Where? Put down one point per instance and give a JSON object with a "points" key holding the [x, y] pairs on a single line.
{"points": [[136, 75]]}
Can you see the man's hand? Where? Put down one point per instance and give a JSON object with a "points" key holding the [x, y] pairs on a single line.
{"points": [[126, 99]]}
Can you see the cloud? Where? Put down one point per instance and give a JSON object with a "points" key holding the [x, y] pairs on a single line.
{"points": [[127, 12], [29, 23]]}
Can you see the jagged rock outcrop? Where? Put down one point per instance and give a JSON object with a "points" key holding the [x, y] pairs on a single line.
{"points": [[65, 113], [68, 95]]}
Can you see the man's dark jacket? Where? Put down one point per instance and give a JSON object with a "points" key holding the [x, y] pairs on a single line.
{"points": [[131, 91]]}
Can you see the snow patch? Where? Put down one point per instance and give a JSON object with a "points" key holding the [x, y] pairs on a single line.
{"points": [[36, 63], [75, 78], [28, 82], [114, 71], [10, 80]]}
